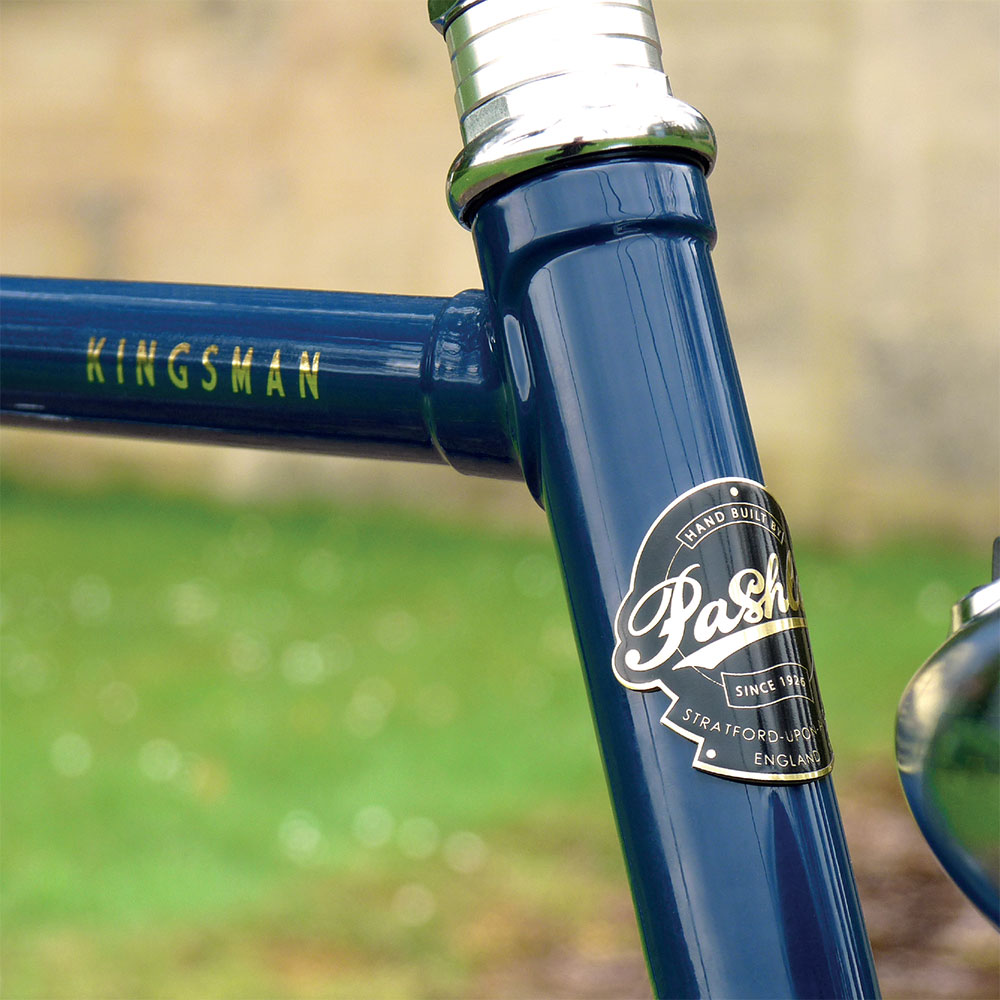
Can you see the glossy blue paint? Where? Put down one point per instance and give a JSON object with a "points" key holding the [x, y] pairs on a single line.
{"points": [[395, 376], [624, 394], [948, 750]]}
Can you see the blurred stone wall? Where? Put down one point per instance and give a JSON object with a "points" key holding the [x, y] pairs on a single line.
{"points": [[305, 143]]}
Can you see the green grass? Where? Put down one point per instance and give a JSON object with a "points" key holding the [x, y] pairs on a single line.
{"points": [[289, 751]]}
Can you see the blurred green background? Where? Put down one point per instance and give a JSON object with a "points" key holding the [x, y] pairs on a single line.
{"points": [[291, 726], [319, 750]]}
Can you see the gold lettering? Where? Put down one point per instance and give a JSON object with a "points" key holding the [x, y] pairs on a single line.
{"points": [[121, 361], [274, 383], [179, 376], [144, 362], [208, 384], [241, 370], [94, 359], [309, 375]]}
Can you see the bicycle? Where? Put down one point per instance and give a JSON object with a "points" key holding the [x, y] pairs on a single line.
{"points": [[461, 333]]}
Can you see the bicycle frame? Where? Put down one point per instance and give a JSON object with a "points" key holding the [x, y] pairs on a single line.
{"points": [[597, 367], [388, 376]]}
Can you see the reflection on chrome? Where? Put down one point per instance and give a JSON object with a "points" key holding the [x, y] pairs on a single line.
{"points": [[948, 749], [539, 82]]}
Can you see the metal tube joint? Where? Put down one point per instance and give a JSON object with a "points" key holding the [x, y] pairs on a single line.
{"points": [[542, 82]]}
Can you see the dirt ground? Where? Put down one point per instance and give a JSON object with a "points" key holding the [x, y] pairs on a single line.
{"points": [[929, 942]]}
